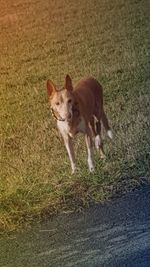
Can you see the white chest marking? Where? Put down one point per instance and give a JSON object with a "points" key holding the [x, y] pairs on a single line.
{"points": [[63, 127]]}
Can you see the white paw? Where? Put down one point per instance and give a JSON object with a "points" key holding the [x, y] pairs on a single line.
{"points": [[91, 166], [73, 170], [97, 142], [110, 134], [91, 169]]}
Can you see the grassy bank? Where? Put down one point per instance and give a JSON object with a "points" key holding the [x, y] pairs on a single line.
{"points": [[47, 39]]}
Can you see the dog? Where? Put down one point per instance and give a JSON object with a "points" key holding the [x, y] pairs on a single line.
{"points": [[79, 109]]}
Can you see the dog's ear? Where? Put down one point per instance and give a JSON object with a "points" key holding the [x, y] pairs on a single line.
{"points": [[50, 88], [68, 83]]}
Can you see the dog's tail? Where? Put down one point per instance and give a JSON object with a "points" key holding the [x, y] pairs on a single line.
{"points": [[106, 125]]}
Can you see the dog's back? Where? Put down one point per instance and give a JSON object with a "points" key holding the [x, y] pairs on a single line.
{"points": [[89, 95]]}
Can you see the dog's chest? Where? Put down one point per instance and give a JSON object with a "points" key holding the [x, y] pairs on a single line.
{"points": [[63, 127], [71, 129]]}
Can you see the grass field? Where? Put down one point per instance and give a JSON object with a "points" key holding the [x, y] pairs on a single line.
{"points": [[107, 39]]}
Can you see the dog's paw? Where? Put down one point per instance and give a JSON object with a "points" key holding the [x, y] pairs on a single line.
{"points": [[91, 169], [110, 134], [73, 171]]}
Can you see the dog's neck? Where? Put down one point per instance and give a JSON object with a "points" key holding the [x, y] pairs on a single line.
{"points": [[75, 110], [76, 119]]}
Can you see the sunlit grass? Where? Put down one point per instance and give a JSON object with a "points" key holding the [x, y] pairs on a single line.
{"points": [[47, 39]]}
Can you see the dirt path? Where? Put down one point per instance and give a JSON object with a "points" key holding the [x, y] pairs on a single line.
{"points": [[114, 234]]}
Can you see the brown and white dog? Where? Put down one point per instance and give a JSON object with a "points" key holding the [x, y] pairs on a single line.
{"points": [[79, 109]]}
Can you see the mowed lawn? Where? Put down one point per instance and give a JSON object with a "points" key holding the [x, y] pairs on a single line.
{"points": [[107, 39]]}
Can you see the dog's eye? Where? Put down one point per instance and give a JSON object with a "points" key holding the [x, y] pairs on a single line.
{"points": [[57, 103], [69, 101]]}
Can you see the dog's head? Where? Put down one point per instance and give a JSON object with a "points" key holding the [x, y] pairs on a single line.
{"points": [[61, 100]]}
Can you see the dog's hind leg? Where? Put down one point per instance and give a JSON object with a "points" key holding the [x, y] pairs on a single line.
{"points": [[106, 125], [88, 141], [98, 139]]}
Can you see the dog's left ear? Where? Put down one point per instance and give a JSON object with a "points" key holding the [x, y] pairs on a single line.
{"points": [[68, 83], [50, 88]]}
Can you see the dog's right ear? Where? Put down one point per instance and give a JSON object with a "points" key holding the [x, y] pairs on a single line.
{"points": [[68, 83], [50, 88]]}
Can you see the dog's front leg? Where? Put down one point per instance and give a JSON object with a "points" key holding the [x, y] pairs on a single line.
{"points": [[70, 150], [63, 128], [88, 140]]}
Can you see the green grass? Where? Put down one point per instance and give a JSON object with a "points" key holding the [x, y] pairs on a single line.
{"points": [[107, 39]]}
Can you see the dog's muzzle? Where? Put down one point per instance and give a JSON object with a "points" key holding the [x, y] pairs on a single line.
{"points": [[56, 115]]}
